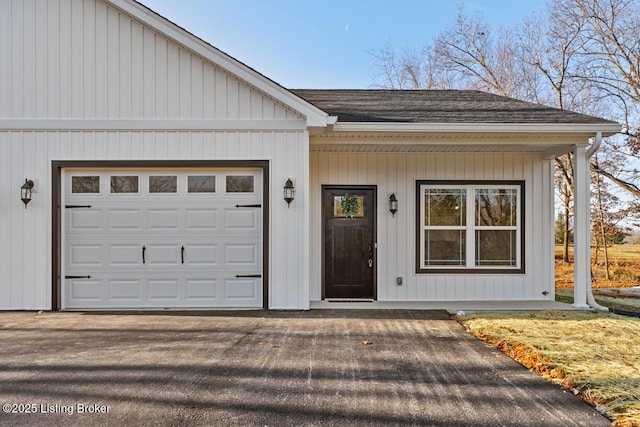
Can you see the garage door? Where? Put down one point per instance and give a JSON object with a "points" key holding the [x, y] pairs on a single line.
{"points": [[162, 238]]}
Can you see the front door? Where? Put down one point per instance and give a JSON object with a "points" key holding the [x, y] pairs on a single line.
{"points": [[349, 241]]}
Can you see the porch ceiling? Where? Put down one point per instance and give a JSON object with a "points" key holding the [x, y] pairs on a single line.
{"points": [[412, 147], [551, 145]]}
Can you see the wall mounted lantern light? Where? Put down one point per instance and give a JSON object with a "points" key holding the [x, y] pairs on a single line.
{"points": [[289, 191], [25, 192], [393, 204]]}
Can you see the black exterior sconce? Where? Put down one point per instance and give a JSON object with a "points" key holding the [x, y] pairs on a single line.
{"points": [[289, 192], [25, 192], [393, 204]]}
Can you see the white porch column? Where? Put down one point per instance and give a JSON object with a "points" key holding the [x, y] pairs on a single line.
{"points": [[581, 227]]}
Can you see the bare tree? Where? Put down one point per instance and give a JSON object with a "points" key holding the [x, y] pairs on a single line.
{"points": [[611, 63]]}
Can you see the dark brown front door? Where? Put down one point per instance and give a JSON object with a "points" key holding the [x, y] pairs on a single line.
{"points": [[349, 242]]}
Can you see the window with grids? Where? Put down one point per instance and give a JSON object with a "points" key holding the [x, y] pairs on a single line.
{"points": [[470, 227]]}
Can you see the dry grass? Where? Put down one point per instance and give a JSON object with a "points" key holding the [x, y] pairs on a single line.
{"points": [[608, 299], [597, 355], [624, 267]]}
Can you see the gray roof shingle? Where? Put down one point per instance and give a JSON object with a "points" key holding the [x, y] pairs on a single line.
{"points": [[435, 106]]}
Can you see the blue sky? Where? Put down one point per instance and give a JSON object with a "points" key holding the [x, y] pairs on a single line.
{"points": [[326, 44]]}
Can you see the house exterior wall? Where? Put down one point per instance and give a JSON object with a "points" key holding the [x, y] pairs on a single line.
{"points": [[397, 173], [85, 59], [25, 234], [82, 80]]}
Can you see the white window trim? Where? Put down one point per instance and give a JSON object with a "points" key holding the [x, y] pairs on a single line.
{"points": [[470, 187]]}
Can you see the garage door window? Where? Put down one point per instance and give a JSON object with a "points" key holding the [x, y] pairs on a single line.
{"points": [[163, 184], [85, 184], [201, 184], [240, 184], [124, 184]]}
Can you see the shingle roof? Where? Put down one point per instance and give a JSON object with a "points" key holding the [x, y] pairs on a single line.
{"points": [[435, 106]]}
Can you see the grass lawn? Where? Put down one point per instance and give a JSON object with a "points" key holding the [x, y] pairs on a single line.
{"points": [[615, 303], [596, 355], [624, 267]]}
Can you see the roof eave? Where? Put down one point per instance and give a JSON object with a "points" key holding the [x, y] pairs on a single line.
{"points": [[607, 129]]}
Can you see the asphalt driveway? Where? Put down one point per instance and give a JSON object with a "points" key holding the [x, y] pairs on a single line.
{"points": [[322, 367]]}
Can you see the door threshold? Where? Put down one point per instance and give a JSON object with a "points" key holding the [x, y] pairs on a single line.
{"points": [[349, 299]]}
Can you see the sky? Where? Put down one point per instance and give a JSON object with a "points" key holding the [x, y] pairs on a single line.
{"points": [[327, 44]]}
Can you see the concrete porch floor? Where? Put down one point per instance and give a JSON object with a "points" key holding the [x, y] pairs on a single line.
{"points": [[450, 306]]}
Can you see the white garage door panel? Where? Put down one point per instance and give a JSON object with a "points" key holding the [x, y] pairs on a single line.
{"points": [[124, 219], [83, 220], [124, 289], [162, 250], [201, 220], [163, 219], [241, 219], [240, 289], [201, 289], [201, 255], [124, 255]]}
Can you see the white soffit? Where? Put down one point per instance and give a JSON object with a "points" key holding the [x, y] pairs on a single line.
{"points": [[315, 116]]}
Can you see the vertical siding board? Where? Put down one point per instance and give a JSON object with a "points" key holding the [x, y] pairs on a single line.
{"points": [[507, 166], [159, 87], [197, 88], [221, 95], [6, 67], [139, 54], [88, 78], [278, 297], [42, 227], [317, 167], [232, 99], [40, 62], [113, 63], [405, 217], [17, 236], [77, 59], [256, 105], [17, 52], [208, 91], [390, 179], [184, 83], [124, 66], [7, 181], [268, 108], [100, 56], [173, 80], [534, 175], [26, 287], [244, 102]]}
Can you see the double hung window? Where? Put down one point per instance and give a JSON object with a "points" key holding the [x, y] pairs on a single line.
{"points": [[470, 227]]}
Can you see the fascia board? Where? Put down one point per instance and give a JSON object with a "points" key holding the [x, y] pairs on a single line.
{"points": [[607, 129], [315, 116]]}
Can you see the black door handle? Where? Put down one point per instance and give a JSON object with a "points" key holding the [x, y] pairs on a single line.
{"points": [[144, 249], [182, 254]]}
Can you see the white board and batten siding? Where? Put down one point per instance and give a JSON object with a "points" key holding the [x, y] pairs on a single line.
{"points": [[82, 80], [397, 173]]}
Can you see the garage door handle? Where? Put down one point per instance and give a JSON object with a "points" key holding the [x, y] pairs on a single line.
{"points": [[250, 276], [144, 250], [77, 277], [248, 206], [182, 254]]}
